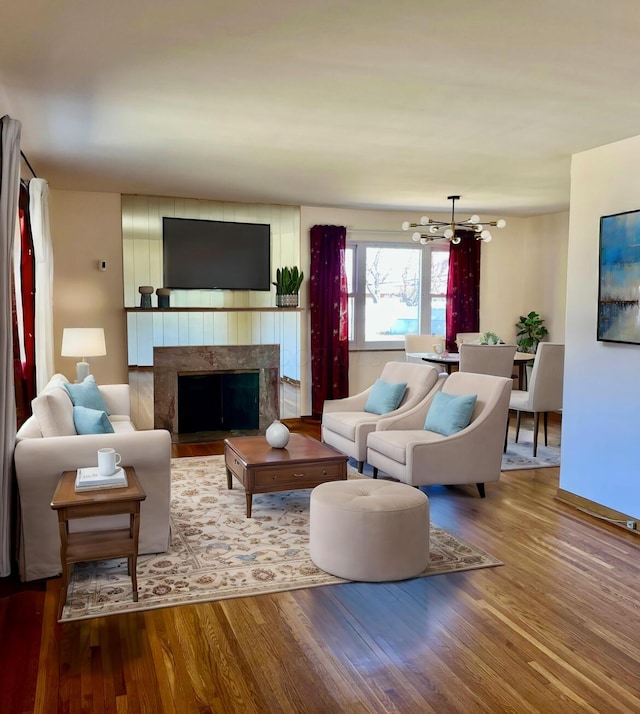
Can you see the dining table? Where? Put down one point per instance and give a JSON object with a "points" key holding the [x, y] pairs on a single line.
{"points": [[449, 360]]}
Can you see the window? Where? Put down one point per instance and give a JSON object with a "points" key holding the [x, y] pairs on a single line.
{"points": [[394, 290]]}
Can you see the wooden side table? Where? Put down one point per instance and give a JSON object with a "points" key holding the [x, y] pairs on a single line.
{"points": [[97, 545]]}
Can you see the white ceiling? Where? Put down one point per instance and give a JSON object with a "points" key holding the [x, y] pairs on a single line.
{"points": [[352, 103]]}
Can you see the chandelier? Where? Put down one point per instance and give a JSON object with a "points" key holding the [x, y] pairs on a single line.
{"points": [[430, 229]]}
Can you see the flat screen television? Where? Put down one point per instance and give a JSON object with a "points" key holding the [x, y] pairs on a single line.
{"points": [[201, 254]]}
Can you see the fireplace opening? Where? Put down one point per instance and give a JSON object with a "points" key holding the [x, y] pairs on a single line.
{"points": [[218, 401]]}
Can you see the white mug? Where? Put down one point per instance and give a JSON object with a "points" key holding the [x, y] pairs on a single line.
{"points": [[108, 461]]}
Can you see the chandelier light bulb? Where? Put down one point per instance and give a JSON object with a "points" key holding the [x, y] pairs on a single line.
{"points": [[449, 234], [477, 228], [433, 229], [424, 221], [416, 236], [474, 219], [406, 225], [424, 240], [486, 236], [455, 240], [501, 223]]}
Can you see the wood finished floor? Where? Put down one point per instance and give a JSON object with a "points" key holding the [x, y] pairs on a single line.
{"points": [[555, 629]]}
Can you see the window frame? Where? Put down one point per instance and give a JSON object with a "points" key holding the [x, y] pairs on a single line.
{"points": [[357, 297]]}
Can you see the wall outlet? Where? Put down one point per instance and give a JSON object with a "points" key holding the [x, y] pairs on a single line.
{"points": [[631, 525]]}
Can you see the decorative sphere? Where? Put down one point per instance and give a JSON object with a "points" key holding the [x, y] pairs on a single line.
{"points": [[277, 435]]}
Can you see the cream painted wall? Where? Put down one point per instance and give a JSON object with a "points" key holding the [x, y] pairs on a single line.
{"points": [[600, 445], [85, 228], [522, 269]]}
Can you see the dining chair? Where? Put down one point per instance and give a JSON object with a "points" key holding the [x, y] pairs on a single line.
{"points": [[487, 359], [544, 394], [421, 343], [468, 337]]}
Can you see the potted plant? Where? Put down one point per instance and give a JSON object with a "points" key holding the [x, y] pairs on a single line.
{"points": [[530, 331], [287, 282]]}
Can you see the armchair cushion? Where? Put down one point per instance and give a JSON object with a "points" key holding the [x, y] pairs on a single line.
{"points": [[87, 394], [91, 421], [450, 413], [385, 397]]}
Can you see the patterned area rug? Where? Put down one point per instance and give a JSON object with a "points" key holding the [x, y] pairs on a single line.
{"points": [[217, 553], [519, 456]]}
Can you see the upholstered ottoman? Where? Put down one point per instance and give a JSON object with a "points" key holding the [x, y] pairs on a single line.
{"points": [[369, 530]]}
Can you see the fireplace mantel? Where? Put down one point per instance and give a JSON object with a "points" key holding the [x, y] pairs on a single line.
{"points": [[169, 362]]}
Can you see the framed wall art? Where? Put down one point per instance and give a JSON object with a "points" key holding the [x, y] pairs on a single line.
{"points": [[619, 278]]}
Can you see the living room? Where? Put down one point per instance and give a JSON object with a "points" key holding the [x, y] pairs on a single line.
{"points": [[552, 625]]}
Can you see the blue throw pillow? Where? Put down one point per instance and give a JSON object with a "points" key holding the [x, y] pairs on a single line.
{"points": [[449, 413], [384, 397], [91, 421], [87, 394]]}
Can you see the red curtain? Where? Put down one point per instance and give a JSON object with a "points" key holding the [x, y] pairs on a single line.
{"points": [[463, 288], [328, 304], [28, 277]]}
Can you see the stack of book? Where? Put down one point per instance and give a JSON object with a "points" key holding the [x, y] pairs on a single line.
{"points": [[89, 478]]}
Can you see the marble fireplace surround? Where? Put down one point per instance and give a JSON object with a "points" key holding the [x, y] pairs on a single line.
{"points": [[169, 362]]}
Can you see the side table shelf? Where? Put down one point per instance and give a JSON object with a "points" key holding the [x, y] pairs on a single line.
{"points": [[97, 545]]}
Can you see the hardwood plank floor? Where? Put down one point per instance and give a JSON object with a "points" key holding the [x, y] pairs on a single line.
{"points": [[552, 630]]}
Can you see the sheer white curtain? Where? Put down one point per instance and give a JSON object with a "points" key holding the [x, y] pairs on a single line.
{"points": [[9, 190], [43, 254]]}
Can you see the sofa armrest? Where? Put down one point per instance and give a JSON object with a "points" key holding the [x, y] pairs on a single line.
{"points": [[117, 398], [39, 464], [355, 403]]}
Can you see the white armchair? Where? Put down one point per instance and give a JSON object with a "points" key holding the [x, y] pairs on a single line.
{"points": [[402, 448], [345, 424]]}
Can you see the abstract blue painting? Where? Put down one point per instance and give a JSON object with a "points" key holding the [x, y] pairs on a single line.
{"points": [[619, 286]]}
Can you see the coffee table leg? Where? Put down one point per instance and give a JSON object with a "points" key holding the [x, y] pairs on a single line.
{"points": [[229, 479], [249, 498], [133, 560]]}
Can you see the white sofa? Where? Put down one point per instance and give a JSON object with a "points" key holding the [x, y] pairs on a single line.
{"points": [[47, 444]]}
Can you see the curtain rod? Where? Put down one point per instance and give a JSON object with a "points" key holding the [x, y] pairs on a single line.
{"points": [[26, 160]]}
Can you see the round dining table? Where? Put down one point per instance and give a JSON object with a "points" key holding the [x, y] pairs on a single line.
{"points": [[452, 359]]}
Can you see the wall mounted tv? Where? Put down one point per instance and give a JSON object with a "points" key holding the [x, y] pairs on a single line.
{"points": [[201, 254]]}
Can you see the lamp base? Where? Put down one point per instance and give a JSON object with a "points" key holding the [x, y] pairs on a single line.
{"points": [[82, 371]]}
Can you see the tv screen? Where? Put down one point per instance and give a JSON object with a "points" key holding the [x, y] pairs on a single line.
{"points": [[201, 254]]}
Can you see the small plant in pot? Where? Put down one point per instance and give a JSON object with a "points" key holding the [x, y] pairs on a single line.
{"points": [[530, 331], [287, 282]]}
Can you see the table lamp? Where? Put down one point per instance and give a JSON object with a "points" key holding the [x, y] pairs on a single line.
{"points": [[83, 342]]}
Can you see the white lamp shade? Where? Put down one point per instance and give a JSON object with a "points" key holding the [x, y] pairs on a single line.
{"points": [[83, 342]]}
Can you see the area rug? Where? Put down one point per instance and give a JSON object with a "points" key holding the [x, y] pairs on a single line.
{"points": [[218, 553], [519, 456]]}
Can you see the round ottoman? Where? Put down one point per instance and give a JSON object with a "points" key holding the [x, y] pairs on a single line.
{"points": [[369, 530]]}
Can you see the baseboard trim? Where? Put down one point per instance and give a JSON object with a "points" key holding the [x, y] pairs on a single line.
{"points": [[597, 510]]}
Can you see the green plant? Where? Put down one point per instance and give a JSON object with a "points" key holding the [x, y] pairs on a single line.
{"points": [[490, 338], [288, 281], [530, 331]]}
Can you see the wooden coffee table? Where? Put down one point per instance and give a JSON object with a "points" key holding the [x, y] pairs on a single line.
{"points": [[303, 463]]}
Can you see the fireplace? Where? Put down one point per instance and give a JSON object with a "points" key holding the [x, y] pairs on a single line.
{"points": [[234, 389], [218, 401]]}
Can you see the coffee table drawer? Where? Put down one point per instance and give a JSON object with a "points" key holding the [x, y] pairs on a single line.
{"points": [[299, 474]]}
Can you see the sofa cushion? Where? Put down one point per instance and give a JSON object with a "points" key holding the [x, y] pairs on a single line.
{"points": [[54, 412], [385, 397], [86, 394], [450, 413], [346, 423], [91, 421]]}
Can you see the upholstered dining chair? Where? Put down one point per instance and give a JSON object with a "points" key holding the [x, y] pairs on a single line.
{"points": [[347, 422], [544, 394], [403, 448], [487, 359], [421, 343], [462, 337]]}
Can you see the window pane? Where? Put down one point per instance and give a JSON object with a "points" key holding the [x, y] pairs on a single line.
{"points": [[438, 315], [348, 260], [439, 273], [392, 299]]}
